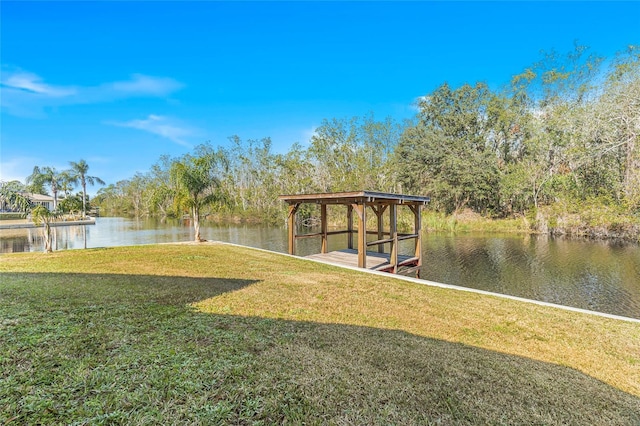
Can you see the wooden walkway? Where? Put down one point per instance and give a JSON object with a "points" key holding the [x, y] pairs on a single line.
{"points": [[375, 261]]}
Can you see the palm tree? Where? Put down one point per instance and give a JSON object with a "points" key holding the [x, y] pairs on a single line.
{"points": [[197, 183], [79, 173], [11, 197], [67, 182], [42, 216], [46, 176]]}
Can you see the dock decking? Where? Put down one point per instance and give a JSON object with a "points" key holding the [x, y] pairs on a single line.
{"points": [[375, 261]]}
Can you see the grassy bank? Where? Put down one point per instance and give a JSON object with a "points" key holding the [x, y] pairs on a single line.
{"points": [[575, 220], [590, 220], [11, 216], [215, 334], [468, 221]]}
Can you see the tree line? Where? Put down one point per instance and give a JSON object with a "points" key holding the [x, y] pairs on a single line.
{"points": [[566, 129], [246, 178], [563, 132], [562, 135], [49, 181]]}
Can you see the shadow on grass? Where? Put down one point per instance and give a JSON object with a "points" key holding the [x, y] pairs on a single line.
{"points": [[361, 375], [82, 287], [102, 348]]}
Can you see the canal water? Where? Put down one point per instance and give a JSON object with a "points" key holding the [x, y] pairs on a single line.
{"points": [[602, 276]]}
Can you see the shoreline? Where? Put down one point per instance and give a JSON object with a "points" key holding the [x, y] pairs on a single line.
{"points": [[24, 224], [467, 223]]}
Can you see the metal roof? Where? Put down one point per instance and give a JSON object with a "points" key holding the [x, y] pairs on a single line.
{"points": [[355, 197], [38, 197]]}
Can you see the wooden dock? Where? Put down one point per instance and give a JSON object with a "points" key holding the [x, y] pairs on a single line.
{"points": [[375, 261], [356, 204]]}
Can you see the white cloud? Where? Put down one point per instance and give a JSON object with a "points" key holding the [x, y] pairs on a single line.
{"points": [[161, 126], [307, 134], [29, 82], [19, 167], [15, 169], [27, 94], [144, 85], [415, 105]]}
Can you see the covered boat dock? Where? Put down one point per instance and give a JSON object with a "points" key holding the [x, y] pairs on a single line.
{"points": [[360, 256]]}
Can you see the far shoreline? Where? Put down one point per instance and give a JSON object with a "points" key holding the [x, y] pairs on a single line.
{"points": [[26, 224]]}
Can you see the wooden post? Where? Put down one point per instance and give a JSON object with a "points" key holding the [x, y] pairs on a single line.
{"points": [[393, 230], [418, 230], [293, 208], [323, 227], [361, 211], [350, 226], [379, 212]]}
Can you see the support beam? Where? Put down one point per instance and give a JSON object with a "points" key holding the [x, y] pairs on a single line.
{"points": [[417, 229], [379, 211], [361, 211], [379, 242], [393, 230], [323, 227], [291, 222], [350, 226]]}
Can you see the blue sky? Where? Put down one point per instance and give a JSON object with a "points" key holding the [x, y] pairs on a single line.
{"points": [[121, 83]]}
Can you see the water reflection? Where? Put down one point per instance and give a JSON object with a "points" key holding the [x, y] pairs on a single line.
{"points": [[597, 275]]}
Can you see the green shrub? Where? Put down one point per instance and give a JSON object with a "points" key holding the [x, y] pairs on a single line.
{"points": [[12, 216]]}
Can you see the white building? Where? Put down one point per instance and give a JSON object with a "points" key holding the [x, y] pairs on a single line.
{"points": [[36, 199], [41, 200]]}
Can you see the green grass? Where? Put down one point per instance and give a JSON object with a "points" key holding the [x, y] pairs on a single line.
{"points": [[215, 334], [12, 216], [591, 218], [468, 221]]}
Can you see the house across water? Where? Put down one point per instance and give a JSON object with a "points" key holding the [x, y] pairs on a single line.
{"points": [[36, 200], [358, 254]]}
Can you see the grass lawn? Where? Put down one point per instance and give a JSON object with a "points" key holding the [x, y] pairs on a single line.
{"points": [[217, 334]]}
